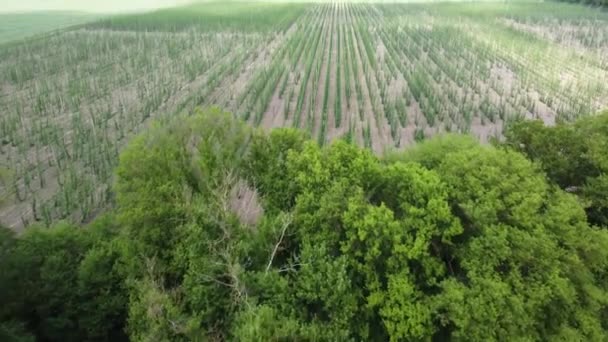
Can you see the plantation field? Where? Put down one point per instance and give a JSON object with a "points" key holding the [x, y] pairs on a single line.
{"points": [[15, 26], [382, 75]]}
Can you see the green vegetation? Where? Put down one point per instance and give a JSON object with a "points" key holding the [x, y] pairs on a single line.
{"points": [[450, 240], [573, 156], [209, 16], [5, 183], [590, 2], [16, 26], [386, 75], [149, 219]]}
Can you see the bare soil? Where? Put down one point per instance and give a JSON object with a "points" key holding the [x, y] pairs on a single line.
{"points": [[274, 115]]}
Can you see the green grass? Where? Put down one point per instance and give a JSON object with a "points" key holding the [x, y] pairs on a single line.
{"points": [[16, 26], [212, 16]]}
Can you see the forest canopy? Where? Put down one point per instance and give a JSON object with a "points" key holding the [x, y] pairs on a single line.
{"points": [[590, 2], [224, 232]]}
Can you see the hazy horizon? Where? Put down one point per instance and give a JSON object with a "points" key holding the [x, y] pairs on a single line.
{"points": [[100, 6], [114, 6]]}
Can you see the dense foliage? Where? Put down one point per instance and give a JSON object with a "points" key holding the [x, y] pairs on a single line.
{"points": [[447, 241], [573, 156], [590, 2]]}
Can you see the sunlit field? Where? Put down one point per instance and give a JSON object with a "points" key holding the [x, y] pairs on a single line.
{"points": [[384, 75], [16, 26]]}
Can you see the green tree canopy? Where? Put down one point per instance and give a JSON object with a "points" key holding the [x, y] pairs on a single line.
{"points": [[573, 155], [448, 241], [59, 284], [478, 248]]}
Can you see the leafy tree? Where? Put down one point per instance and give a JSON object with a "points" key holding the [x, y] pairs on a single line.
{"points": [[101, 284], [264, 323], [430, 153], [448, 241], [590, 2], [174, 191], [161, 171], [523, 255], [154, 314], [58, 287], [419, 249], [266, 162], [48, 260], [572, 155], [560, 150], [13, 331]]}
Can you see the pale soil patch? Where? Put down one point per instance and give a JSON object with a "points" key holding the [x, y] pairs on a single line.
{"points": [[294, 85], [504, 76], [274, 115], [542, 111], [415, 119], [486, 130], [566, 79], [396, 87], [13, 214], [6, 89], [567, 34], [380, 51]]}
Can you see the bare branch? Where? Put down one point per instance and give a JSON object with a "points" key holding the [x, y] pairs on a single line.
{"points": [[286, 224]]}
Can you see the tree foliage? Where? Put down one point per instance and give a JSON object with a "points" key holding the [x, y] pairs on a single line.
{"points": [[573, 155], [57, 286], [449, 241], [590, 2]]}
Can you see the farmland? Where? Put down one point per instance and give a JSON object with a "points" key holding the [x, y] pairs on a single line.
{"points": [[381, 75], [22, 25]]}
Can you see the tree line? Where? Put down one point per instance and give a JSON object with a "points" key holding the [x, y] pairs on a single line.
{"points": [[449, 240], [589, 2]]}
